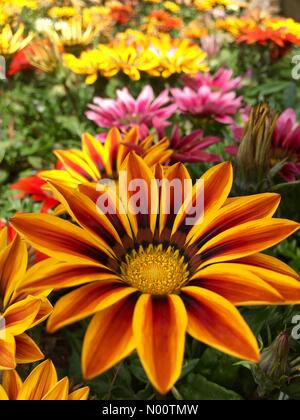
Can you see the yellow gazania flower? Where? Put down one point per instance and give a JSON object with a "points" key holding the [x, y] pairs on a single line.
{"points": [[11, 42], [41, 384], [179, 57], [72, 32], [103, 161], [62, 12], [18, 311], [289, 25], [127, 59], [31, 4], [87, 64], [171, 6], [207, 5], [149, 277], [235, 25]]}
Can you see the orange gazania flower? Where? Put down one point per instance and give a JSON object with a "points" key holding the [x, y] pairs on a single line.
{"points": [[150, 278], [102, 161], [18, 311], [265, 36], [161, 21], [41, 384]]}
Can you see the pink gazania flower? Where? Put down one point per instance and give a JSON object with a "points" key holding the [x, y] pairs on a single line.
{"points": [[33, 186], [285, 144], [220, 81], [190, 147], [207, 102], [125, 111]]}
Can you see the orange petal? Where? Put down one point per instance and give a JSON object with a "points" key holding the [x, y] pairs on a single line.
{"points": [[40, 381], [94, 149], [60, 391], [50, 274], [80, 394], [45, 310], [58, 238], [132, 137], [12, 273], [85, 213], [237, 284], [158, 153], [78, 165], [59, 176], [159, 327], [241, 210], [171, 195], [286, 285], [214, 321], [3, 238], [27, 350], [109, 338], [246, 239], [20, 315], [214, 187], [142, 195], [12, 383], [86, 301], [7, 352], [270, 263]]}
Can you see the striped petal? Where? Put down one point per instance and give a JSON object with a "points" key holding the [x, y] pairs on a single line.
{"points": [[214, 321], [142, 195], [246, 239], [212, 190], [109, 338], [159, 327], [27, 350], [7, 352], [95, 150], [50, 274], [270, 263], [171, 196], [12, 383], [237, 284], [10, 272], [40, 381], [84, 211], [86, 301], [20, 315], [58, 238], [59, 176], [78, 165], [241, 210], [286, 284]]}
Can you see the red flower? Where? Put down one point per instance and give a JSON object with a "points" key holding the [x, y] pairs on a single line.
{"points": [[19, 63], [33, 186]]}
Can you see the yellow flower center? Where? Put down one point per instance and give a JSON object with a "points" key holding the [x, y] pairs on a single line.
{"points": [[155, 270]]}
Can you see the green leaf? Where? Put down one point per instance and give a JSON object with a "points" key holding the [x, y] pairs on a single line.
{"points": [[197, 387]]}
